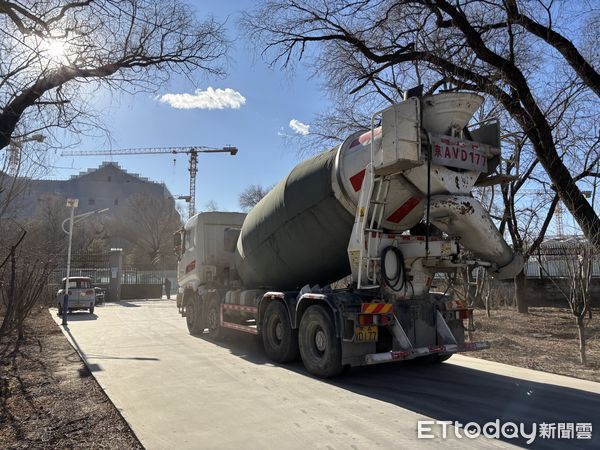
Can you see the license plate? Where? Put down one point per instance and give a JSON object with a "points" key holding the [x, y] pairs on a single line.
{"points": [[366, 334], [454, 152]]}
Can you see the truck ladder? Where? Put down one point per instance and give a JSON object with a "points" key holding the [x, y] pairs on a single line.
{"points": [[367, 231], [370, 257]]}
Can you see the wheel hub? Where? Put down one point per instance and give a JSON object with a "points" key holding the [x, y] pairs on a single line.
{"points": [[279, 331], [321, 340], [190, 313], [212, 319]]}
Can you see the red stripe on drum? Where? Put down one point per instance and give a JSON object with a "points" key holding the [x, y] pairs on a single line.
{"points": [[403, 211], [357, 180]]}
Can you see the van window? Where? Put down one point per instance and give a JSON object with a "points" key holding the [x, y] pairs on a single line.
{"points": [[80, 284]]}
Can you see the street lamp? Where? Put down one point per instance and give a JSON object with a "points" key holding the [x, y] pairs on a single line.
{"points": [[72, 203], [15, 150]]}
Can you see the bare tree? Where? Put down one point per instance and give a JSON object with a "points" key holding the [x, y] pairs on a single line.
{"points": [[250, 196], [24, 272], [55, 55], [497, 49], [47, 229], [148, 223], [211, 205], [577, 261]]}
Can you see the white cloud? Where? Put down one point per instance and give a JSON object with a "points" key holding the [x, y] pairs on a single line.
{"points": [[208, 99], [299, 127]]}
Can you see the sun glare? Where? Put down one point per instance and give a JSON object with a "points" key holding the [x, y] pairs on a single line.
{"points": [[55, 51]]}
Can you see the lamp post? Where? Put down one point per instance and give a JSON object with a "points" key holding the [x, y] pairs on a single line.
{"points": [[73, 219], [14, 157]]}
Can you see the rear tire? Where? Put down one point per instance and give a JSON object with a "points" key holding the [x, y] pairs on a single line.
{"points": [[193, 316], [213, 319], [320, 349], [280, 341]]}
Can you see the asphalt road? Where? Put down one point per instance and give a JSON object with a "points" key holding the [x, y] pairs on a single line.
{"points": [[180, 391]]}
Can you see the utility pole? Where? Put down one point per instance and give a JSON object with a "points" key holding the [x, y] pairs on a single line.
{"points": [[71, 203]]}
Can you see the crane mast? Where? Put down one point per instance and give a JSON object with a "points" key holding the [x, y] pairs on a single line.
{"points": [[191, 151], [193, 171]]}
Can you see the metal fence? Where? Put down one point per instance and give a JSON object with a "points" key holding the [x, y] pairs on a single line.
{"points": [[133, 275], [558, 258], [556, 268], [97, 267], [93, 265], [98, 275]]}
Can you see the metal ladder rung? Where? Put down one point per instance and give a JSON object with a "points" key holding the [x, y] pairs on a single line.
{"points": [[377, 188]]}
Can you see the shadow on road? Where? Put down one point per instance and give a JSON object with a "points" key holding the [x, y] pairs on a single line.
{"points": [[81, 316], [127, 304], [131, 358], [94, 367], [454, 393]]}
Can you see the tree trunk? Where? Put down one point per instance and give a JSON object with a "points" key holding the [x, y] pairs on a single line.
{"points": [[521, 293], [20, 331], [581, 331]]}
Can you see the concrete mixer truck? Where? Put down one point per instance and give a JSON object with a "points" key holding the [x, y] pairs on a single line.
{"points": [[389, 210]]}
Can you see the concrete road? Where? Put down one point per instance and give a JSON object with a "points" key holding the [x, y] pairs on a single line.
{"points": [[180, 391]]}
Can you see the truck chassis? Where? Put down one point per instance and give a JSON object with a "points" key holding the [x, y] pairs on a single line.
{"points": [[334, 329]]}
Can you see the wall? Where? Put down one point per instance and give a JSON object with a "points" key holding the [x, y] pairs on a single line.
{"points": [[543, 292]]}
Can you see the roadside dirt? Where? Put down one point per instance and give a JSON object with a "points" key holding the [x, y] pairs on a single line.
{"points": [[48, 398], [545, 339]]}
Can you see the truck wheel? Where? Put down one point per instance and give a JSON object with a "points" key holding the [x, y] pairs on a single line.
{"points": [[279, 339], [320, 349], [213, 319], [193, 316]]}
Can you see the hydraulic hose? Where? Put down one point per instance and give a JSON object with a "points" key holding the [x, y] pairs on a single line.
{"points": [[397, 282]]}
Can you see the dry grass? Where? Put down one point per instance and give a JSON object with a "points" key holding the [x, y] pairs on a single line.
{"points": [[50, 400], [545, 339]]}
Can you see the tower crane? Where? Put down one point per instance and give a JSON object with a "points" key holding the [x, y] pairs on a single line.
{"points": [[191, 151]]}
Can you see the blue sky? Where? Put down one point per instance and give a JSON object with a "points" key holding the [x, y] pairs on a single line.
{"points": [[272, 99]]}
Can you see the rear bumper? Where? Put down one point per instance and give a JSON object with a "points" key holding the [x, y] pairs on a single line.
{"points": [[79, 304], [448, 349]]}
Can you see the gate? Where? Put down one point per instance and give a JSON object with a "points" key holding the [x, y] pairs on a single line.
{"points": [[145, 282]]}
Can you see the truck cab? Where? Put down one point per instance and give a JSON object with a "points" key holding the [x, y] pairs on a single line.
{"points": [[205, 249]]}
